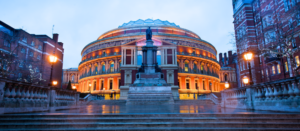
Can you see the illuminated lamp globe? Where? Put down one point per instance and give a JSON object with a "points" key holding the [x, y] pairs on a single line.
{"points": [[54, 83], [90, 84], [53, 59], [226, 85], [248, 56], [74, 87], [245, 80]]}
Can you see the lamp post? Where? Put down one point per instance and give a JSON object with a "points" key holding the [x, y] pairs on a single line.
{"points": [[248, 57], [245, 80], [53, 59], [227, 85]]}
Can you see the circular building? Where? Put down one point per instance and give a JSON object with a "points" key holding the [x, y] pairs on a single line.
{"points": [[110, 63]]}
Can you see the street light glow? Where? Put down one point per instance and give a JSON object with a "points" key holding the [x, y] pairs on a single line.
{"points": [[245, 80], [53, 59], [73, 87], [226, 84], [54, 82], [248, 56]]}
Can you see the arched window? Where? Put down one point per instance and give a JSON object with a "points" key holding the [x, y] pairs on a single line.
{"points": [[158, 57], [72, 78], [202, 68], [186, 67], [225, 77], [96, 69], [139, 57], [90, 71], [195, 67], [112, 66], [103, 67]]}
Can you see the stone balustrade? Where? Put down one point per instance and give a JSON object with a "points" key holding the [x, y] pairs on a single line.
{"points": [[281, 95], [17, 97]]}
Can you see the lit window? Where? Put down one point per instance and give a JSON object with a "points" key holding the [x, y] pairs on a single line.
{"points": [[286, 66], [112, 67], [273, 70], [262, 73], [297, 60], [278, 69], [186, 67]]}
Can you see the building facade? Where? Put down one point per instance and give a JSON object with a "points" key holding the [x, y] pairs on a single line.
{"points": [[229, 67], [269, 29], [111, 62], [25, 57], [70, 75]]}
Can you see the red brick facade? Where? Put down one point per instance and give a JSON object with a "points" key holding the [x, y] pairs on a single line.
{"points": [[34, 50], [259, 25]]}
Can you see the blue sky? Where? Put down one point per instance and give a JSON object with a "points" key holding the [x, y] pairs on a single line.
{"points": [[81, 22]]}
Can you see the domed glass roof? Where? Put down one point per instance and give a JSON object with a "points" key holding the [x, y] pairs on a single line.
{"points": [[148, 22]]}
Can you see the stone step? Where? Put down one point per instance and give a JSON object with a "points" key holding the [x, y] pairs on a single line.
{"points": [[174, 115], [149, 97], [164, 119], [159, 129], [4, 126]]}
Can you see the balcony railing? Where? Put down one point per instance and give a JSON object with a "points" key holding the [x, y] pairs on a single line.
{"points": [[201, 72], [100, 56], [98, 73], [279, 95], [196, 55]]}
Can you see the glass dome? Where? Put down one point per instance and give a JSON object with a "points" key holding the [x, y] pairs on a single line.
{"points": [[148, 22]]}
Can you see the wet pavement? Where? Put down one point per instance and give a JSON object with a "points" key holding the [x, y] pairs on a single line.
{"points": [[122, 108]]}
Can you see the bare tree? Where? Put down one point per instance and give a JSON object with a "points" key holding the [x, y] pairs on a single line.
{"points": [[8, 51], [282, 41]]}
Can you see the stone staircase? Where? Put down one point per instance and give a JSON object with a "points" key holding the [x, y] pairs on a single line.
{"points": [[150, 99], [92, 122]]}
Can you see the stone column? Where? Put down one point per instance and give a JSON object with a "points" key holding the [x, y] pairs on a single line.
{"points": [[201, 83]]}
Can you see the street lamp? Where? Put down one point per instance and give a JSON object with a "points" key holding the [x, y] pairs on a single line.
{"points": [[226, 85], [245, 80], [54, 83], [53, 59], [248, 57], [73, 87]]}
